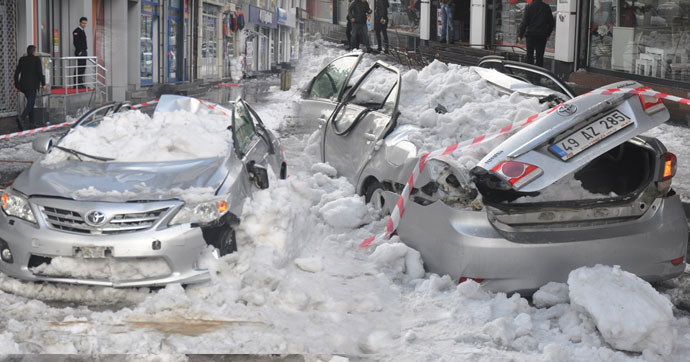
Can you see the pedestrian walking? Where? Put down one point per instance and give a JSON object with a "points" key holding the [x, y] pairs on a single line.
{"points": [[348, 28], [447, 28], [80, 50], [358, 13], [28, 77], [537, 25], [381, 24]]}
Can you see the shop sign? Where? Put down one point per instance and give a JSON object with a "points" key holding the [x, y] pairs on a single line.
{"points": [[262, 17], [282, 16]]}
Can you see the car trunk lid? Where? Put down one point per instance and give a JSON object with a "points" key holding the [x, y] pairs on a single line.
{"points": [[568, 137]]}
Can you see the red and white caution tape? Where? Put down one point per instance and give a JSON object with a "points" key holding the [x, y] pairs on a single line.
{"points": [[36, 130], [144, 104], [399, 209]]}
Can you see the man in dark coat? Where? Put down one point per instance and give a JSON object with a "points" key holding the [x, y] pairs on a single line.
{"points": [[381, 23], [27, 78], [80, 47], [537, 25], [357, 13]]}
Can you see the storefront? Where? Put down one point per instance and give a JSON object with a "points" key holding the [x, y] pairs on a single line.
{"points": [[286, 27], [265, 21], [210, 24], [650, 38], [178, 15]]}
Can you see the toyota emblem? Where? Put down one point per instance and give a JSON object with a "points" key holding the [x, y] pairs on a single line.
{"points": [[567, 109], [95, 218]]}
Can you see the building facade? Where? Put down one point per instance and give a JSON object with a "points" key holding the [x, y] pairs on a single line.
{"points": [[144, 43], [645, 40]]}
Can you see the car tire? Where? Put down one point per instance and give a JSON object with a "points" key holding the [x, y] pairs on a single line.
{"points": [[374, 195], [226, 242]]}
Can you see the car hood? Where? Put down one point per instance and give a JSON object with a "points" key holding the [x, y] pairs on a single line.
{"points": [[125, 181]]}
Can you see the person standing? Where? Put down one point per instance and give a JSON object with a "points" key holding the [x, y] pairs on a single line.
{"points": [[381, 24], [28, 77], [537, 25], [348, 28], [357, 13], [80, 50], [447, 28]]}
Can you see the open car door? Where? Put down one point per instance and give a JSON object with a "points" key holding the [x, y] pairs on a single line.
{"points": [[326, 89], [569, 137], [366, 114]]}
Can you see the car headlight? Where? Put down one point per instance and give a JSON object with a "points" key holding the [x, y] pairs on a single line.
{"points": [[200, 213], [14, 204]]}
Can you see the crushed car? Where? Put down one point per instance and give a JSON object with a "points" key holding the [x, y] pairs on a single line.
{"points": [[93, 214], [495, 222]]}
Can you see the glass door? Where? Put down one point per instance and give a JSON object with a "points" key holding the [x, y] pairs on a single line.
{"points": [[175, 42], [148, 70]]}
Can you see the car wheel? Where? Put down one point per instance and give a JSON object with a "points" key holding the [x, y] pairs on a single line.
{"points": [[374, 195], [226, 243]]}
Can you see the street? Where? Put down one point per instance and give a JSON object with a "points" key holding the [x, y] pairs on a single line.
{"points": [[299, 283]]}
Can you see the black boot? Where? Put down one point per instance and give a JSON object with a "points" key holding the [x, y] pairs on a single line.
{"points": [[19, 123]]}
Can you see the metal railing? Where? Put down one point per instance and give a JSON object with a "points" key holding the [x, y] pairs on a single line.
{"points": [[92, 80]]}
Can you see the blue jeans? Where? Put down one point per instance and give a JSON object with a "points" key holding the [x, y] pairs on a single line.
{"points": [[447, 21]]}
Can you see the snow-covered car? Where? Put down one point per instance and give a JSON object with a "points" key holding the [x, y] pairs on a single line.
{"points": [[509, 220], [127, 200]]}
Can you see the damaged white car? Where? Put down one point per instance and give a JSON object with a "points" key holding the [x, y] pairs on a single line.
{"points": [[125, 200], [499, 222]]}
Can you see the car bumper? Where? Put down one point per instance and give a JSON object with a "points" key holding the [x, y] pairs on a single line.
{"points": [[179, 247], [463, 243]]}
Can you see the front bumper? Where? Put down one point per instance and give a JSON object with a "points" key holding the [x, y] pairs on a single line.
{"points": [[463, 243], [179, 246]]}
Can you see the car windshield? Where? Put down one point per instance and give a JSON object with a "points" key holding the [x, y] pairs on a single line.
{"points": [[133, 136]]}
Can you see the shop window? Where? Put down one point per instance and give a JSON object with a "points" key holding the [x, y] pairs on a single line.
{"points": [[508, 16], [148, 68], [650, 38]]}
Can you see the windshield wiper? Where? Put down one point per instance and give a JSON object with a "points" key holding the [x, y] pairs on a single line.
{"points": [[78, 154]]}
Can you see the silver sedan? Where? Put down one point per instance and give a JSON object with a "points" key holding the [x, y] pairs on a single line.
{"points": [[150, 235], [466, 223]]}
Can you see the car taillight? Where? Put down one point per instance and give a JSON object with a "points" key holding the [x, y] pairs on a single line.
{"points": [[670, 166], [651, 104], [518, 174], [677, 261]]}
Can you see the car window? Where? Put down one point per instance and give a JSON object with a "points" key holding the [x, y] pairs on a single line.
{"points": [[376, 91], [243, 126], [332, 79], [534, 78], [94, 118]]}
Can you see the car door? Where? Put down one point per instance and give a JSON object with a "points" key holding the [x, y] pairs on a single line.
{"points": [[565, 139], [250, 146], [361, 120], [326, 89]]}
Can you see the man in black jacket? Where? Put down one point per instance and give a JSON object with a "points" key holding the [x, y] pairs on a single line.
{"points": [[381, 23], [80, 47], [27, 78], [357, 13], [537, 25]]}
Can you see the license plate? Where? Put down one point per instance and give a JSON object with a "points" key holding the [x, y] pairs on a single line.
{"points": [[590, 134], [89, 252]]}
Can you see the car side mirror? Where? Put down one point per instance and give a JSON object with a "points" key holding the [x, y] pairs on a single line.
{"points": [[258, 174], [42, 144]]}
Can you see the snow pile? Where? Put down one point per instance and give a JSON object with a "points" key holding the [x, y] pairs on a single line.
{"points": [[189, 195], [400, 259], [628, 312], [104, 268], [567, 188], [133, 136]]}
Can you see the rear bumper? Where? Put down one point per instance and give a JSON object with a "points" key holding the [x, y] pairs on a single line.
{"points": [[463, 243], [180, 248]]}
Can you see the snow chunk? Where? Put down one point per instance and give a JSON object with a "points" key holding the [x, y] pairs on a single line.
{"points": [[628, 312], [324, 168], [551, 294], [312, 265], [346, 212], [400, 257]]}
